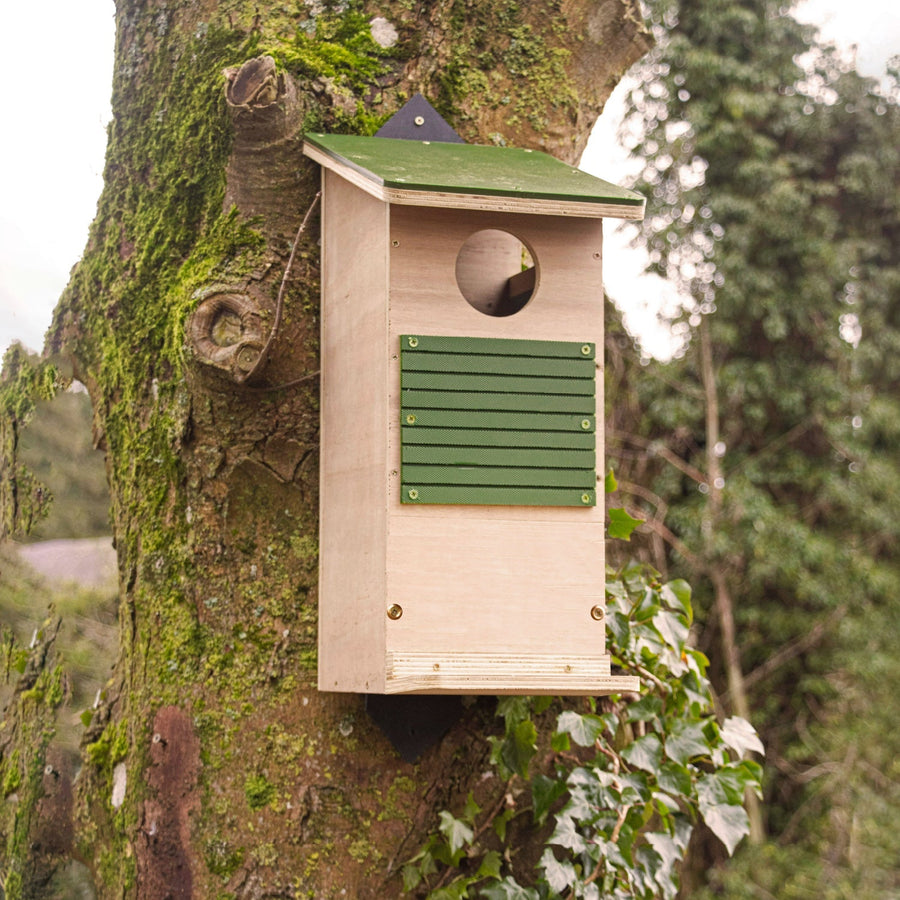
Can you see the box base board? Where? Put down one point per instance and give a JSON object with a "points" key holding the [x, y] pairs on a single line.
{"points": [[483, 673]]}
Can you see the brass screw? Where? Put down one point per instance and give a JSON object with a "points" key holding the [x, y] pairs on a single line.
{"points": [[585, 498], [598, 613], [413, 494], [413, 341], [586, 349], [410, 419], [395, 610], [585, 424]]}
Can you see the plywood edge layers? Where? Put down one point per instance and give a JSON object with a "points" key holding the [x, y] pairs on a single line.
{"points": [[491, 203], [353, 455], [489, 673]]}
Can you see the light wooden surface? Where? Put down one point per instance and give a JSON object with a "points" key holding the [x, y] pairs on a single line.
{"points": [[498, 598], [513, 583], [511, 674], [353, 527]]}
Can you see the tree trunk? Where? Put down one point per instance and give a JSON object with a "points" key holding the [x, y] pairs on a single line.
{"points": [[213, 767]]}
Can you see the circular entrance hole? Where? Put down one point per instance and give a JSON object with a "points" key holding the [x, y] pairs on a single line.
{"points": [[496, 272]]}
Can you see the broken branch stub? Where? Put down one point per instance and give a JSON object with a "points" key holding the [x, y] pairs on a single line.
{"points": [[267, 114], [226, 333]]}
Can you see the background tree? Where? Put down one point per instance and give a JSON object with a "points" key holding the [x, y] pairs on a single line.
{"points": [[765, 454], [211, 765]]}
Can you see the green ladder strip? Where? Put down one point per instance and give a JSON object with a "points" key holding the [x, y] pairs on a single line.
{"points": [[497, 421]]}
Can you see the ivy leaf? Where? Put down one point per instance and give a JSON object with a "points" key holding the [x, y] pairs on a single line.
{"points": [[621, 524], [513, 709], [740, 736], [727, 821], [672, 629], [610, 485], [458, 834], [647, 709], [508, 889], [666, 847], [490, 865], [685, 740], [519, 747], [559, 875], [645, 753], [584, 729], [544, 793], [501, 821], [619, 629], [471, 809], [566, 835], [457, 891], [677, 594], [411, 877], [674, 778], [726, 785]]}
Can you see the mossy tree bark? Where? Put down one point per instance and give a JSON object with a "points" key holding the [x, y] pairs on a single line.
{"points": [[213, 767]]}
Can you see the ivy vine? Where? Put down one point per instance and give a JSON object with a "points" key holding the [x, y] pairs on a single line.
{"points": [[615, 789]]}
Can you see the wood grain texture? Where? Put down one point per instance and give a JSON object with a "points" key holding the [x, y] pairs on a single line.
{"points": [[353, 528], [475, 673], [499, 598]]}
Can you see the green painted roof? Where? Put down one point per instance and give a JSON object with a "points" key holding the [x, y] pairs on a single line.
{"points": [[405, 165]]}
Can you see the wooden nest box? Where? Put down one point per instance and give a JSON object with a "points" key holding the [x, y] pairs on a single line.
{"points": [[462, 526]]}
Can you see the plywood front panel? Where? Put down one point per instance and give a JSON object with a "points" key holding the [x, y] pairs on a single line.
{"points": [[355, 393], [471, 585], [567, 300], [498, 598]]}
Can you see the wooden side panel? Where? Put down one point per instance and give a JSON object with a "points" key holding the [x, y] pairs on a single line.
{"points": [[354, 462]]}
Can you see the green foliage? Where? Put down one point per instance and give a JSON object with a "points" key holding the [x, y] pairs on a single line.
{"points": [[259, 791], [340, 47], [766, 453], [620, 786]]}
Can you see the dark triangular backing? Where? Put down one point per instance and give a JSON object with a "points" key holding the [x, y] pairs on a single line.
{"points": [[414, 722], [418, 120]]}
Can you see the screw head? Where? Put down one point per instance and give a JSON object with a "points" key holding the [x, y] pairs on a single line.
{"points": [[413, 494], [585, 498], [413, 341], [598, 613], [410, 419], [394, 611], [585, 424], [585, 349], [419, 120]]}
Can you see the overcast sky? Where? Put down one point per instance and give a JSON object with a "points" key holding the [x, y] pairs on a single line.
{"points": [[57, 105]]}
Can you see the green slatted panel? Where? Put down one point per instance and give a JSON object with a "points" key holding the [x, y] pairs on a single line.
{"points": [[496, 421]]}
